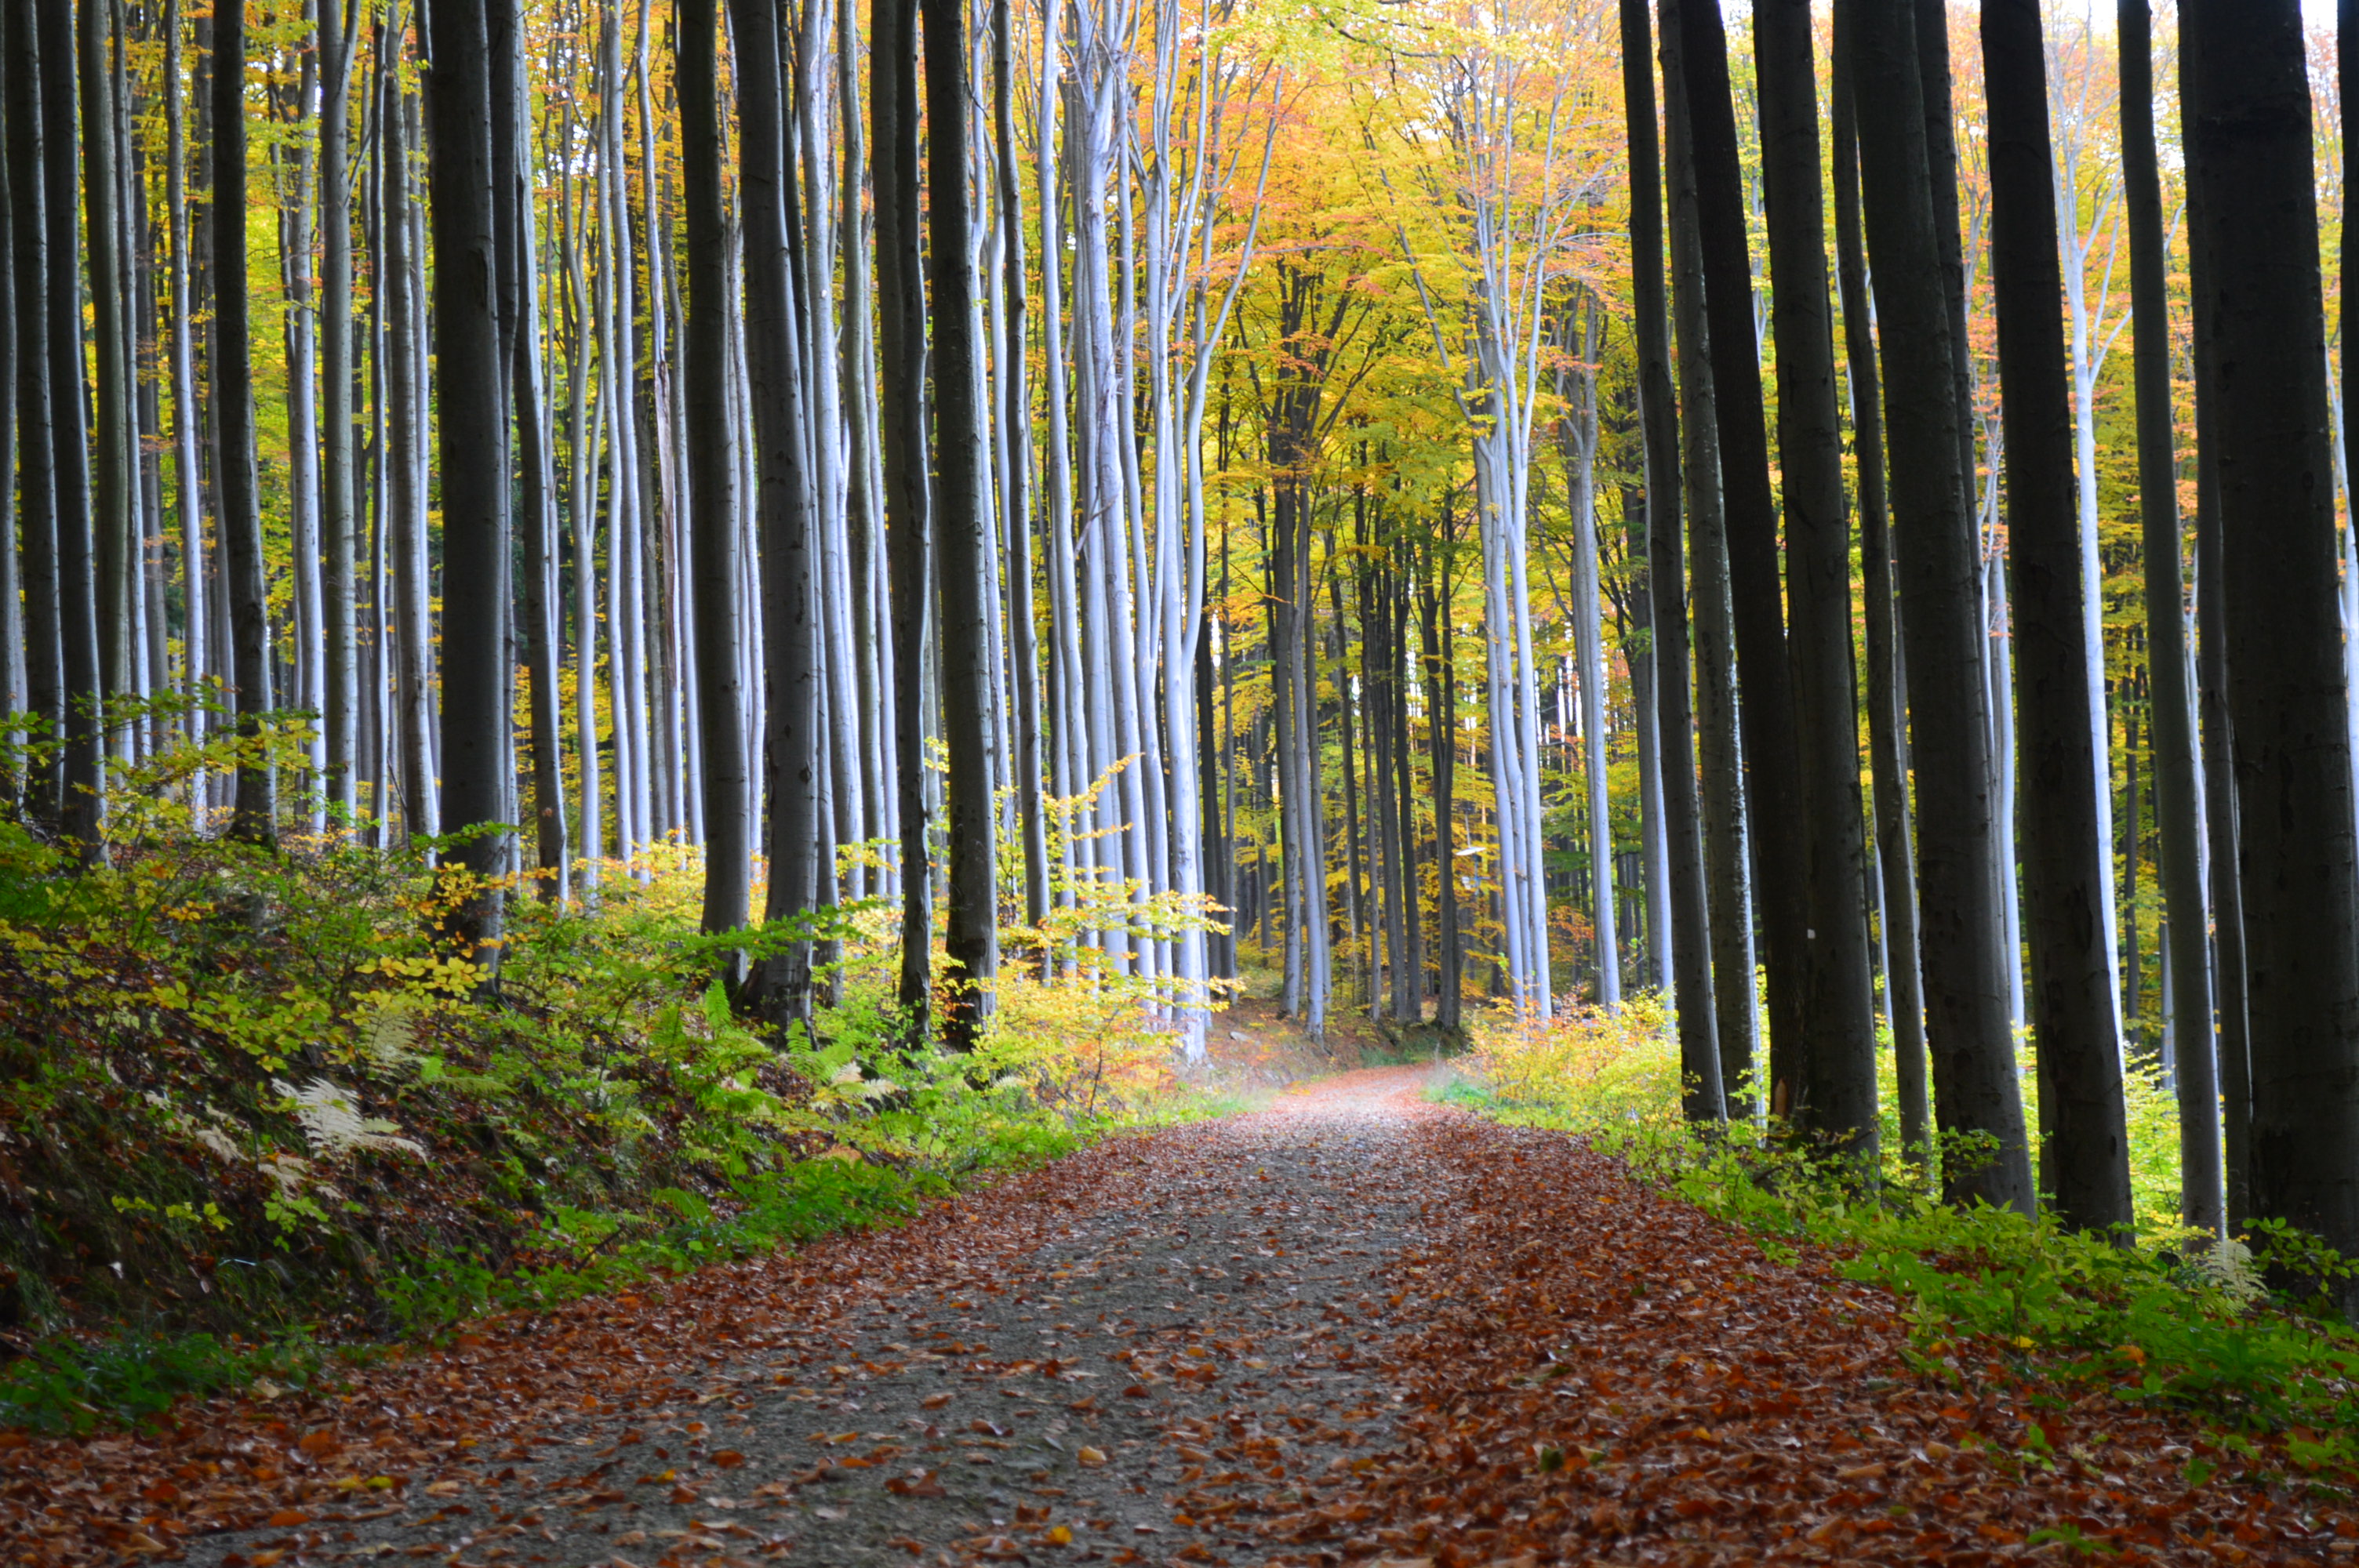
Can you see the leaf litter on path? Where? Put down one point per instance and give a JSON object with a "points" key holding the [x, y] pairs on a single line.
{"points": [[1356, 1327]]}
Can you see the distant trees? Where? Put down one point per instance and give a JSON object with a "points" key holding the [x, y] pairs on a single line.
{"points": [[1150, 499]]}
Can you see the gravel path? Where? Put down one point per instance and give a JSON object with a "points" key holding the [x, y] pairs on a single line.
{"points": [[1125, 1359]]}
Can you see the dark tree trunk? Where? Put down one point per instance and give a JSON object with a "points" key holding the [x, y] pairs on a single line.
{"points": [[2219, 794], [782, 507], [35, 448], [2065, 858], [69, 431], [470, 425], [1958, 836], [12, 685], [1666, 557], [962, 533], [901, 397], [241, 505], [115, 492], [1766, 713], [1442, 708], [532, 608], [1727, 859], [1887, 712], [1836, 1073], [2247, 128], [711, 451]]}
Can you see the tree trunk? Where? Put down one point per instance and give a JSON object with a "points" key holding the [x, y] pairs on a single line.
{"points": [[782, 502], [2064, 851], [1766, 713], [472, 446], [2180, 861], [68, 431], [1728, 856], [340, 675], [405, 396], [962, 532], [1441, 717], [241, 507], [1689, 937], [115, 468], [712, 472], [35, 438], [2251, 198], [1968, 1031], [894, 110], [1886, 711], [1836, 1074]]}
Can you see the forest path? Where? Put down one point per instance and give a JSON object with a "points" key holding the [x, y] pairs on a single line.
{"points": [[1353, 1326]]}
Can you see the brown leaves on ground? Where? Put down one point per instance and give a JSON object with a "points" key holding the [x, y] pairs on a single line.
{"points": [[1591, 1371], [1605, 1373]]}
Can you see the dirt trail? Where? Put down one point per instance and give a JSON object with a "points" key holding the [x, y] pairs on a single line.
{"points": [[1352, 1326]]}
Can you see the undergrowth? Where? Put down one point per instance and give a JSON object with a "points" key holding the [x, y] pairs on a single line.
{"points": [[2171, 1319], [252, 1104]]}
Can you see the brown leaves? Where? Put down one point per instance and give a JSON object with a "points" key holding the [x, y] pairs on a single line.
{"points": [[1709, 1404]]}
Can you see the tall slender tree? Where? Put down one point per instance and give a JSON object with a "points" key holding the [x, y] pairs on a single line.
{"points": [[1689, 937], [1887, 727], [472, 449], [257, 818], [2087, 1142], [713, 464], [1766, 713], [1958, 837], [2245, 103], [1835, 1078], [2177, 802]]}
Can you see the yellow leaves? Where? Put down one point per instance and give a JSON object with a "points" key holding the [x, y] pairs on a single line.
{"points": [[429, 972], [1090, 1455]]}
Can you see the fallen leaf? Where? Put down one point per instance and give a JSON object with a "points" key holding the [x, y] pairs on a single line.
{"points": [[1090, 1455], [728, 1459], [933, 1402], [287, 1519]]}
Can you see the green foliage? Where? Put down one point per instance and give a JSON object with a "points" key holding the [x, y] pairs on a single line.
{"points": [[70, 1385], [249, 1092]]}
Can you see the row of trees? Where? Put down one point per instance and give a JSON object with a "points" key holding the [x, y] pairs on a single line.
{"points": [[1133, 489]]}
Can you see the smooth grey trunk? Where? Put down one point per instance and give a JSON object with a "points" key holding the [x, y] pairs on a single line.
{"points": [[187, 469], [397, 272], [339, 674]]}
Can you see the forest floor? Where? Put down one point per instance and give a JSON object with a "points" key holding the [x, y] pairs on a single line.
{"points": [[1352, 1326]]}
